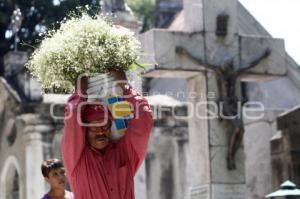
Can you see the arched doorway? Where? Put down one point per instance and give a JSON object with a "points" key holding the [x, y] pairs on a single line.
{"points": [[11, 187]]}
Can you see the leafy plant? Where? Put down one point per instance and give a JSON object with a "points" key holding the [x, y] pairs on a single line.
{"points": [[83, 44]]}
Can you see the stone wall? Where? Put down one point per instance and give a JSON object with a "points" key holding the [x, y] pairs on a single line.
{"points": [[26, 138], [285, 148], [277, 96], [11, 153], [166, 164]]}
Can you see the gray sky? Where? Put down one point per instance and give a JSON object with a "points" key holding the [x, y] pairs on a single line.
{"points": [[281, 18]]}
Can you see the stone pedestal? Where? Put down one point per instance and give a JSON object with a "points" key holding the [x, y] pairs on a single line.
{"points": [[208, 148], [207, 171], [198, 131]]}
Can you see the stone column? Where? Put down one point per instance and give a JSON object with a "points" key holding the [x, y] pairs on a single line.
{"points": [[34, 157], [210, 178], [33, 130], [198, 136]]}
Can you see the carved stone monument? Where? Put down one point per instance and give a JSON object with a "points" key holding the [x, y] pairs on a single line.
{"points": [[211, 55]]}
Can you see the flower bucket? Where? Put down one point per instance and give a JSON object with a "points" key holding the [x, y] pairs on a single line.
{"points": [[102, 88]]}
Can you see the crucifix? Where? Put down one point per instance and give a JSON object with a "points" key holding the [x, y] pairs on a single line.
{"points": [[211, 34], [227, 78]]}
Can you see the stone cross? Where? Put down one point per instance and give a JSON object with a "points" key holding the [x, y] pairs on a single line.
{"points": [[220, 58], [227, 78]]}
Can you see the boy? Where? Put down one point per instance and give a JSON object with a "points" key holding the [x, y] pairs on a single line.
{"points": [[54, 173]]}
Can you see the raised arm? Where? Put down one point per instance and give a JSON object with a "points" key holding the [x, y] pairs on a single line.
{"points": [[135, 141], [73, 140], [139, 128]]}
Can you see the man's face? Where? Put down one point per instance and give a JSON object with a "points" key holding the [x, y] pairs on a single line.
{"points": [[57, 178], [98, 136]]}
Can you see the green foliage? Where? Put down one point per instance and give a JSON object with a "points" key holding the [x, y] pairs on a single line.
{"points": [[38, 15], [144, 11]]}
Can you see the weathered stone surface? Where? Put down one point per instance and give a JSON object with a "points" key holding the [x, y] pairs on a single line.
{"points": [[200, 192], [218, 191], [217, 135], [293, 71], [258, 159], [11, 178], [160, 48], [162, 43], [253, 47], [273, 97], [11, 144], [193, 9], [34, 157], [212, 8], [259, 132], [199, 133], [166, 165], [23, 140], [55, 145], [219, 171], [288, 118], [285, 148], [228, 191], [147, 48], [221, 51]]}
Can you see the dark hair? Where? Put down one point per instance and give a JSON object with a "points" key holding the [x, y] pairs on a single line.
{"points": [[49, 165]]}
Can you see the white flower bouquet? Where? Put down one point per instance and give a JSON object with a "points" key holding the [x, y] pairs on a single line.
{"points": [[82, 45]]}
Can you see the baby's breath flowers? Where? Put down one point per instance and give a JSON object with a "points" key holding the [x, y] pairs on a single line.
{"points": [[82, 45]]}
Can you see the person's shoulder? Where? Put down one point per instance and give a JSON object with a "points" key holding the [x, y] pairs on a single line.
{"points": [[46, 196]]}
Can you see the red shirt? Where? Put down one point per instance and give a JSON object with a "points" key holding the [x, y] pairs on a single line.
{"points": [[94, 175]]}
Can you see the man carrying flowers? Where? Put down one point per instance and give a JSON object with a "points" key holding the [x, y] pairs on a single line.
{"points": [[97, 167]]}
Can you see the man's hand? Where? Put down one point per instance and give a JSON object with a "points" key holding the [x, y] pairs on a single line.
{"points": [[82, 84], [120, 77]]}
